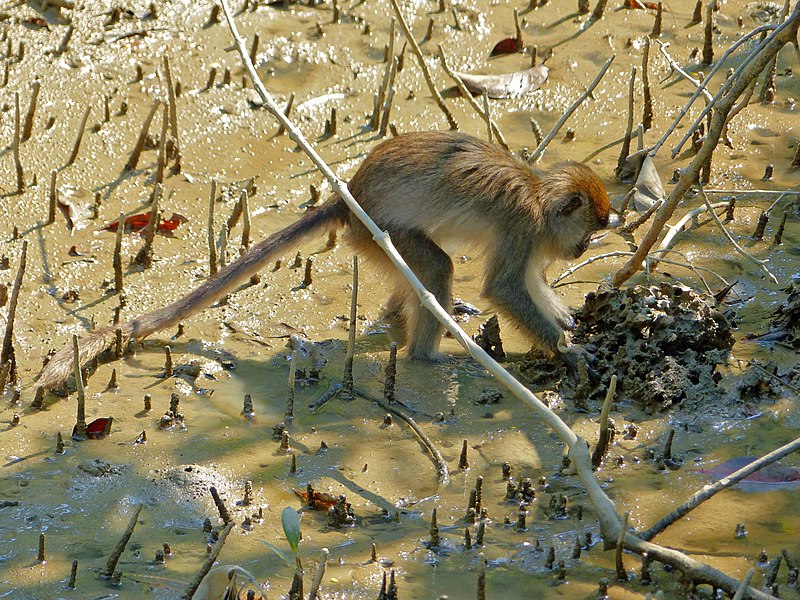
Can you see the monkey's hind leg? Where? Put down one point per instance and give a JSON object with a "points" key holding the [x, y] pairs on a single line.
{"points": [[395, 314], [433, 267]]}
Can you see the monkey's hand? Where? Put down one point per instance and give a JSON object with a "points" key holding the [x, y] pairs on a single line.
{"points": [[566, 321], [578, 359]]}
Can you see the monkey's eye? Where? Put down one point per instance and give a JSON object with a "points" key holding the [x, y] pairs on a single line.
{"points": [[572, 204]]}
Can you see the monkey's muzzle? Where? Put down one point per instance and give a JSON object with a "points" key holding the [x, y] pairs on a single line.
{"points": [[581, 247]]}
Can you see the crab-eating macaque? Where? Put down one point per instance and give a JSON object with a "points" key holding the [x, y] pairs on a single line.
{"points": [[429, 191]]}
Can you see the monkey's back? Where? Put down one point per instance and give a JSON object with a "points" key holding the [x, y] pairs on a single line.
{"points": [[452, 186]]}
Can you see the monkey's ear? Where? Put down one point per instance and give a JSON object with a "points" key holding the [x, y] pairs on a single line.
{"points": [[571, 204]]}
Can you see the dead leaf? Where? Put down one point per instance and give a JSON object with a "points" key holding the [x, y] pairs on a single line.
{"points": [[648, 187], [507, 46], [506, 85]]}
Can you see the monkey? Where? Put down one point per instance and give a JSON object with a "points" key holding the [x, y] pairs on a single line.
{"points": [[430, 191]]}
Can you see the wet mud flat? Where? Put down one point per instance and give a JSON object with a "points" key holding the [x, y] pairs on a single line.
{"points": [[86, 79]]}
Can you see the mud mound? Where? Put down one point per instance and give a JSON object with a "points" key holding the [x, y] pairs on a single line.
{"points": [[663, 342]]}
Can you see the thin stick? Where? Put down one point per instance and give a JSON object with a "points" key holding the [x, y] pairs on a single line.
{"points": [[713, 488], [289, 412], [441, 465], [17, 161], [423, 65], [657, 24], [636, 223], [598, 11], [650, 261], [708, 37], [210, 560], [647, 112], [487, 113], [212, 242], [111, 565], [387, 107], [674, 230], [137, 149], [173, 113], [7, 352], [603, 440], [244, 199], [81, 128], [578, 449], [162, 149], [28, 127], [620, 567], [390, 375], [388, 74], [701, 88], [554, 131], [761, 263], [80, 421], [313, 594], [626, 140], [742, 590], [286, 111], [347, 378], [145, 255], [465, 93], [116, 261], [52, 198], [62, 46]]}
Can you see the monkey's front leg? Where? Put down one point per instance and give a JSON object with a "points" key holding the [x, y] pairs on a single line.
{"points": [[531, 303]]}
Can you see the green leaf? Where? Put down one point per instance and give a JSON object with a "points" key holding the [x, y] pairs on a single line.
{"points": [[288, 560], [291, 527]]}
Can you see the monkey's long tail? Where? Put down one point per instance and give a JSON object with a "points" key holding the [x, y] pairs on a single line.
{"points": [[331, 214]]}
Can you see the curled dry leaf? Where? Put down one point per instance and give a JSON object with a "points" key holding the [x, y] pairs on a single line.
{"points": [[506, 85], [648, 187], [97, 429], [507, 46]]}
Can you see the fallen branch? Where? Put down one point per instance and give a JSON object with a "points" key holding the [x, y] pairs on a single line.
{"points": [[441, 465], [677, 68], [722, 105], [761, 263], [722, 61], [674, 230], [713, 488]]}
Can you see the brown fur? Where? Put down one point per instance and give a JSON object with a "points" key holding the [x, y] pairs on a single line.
{"points": [[431, 191]]}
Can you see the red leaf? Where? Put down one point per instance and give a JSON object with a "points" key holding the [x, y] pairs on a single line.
{"points": [[138, 222], [322, 500], [507, 46], [636, 4], [97, 429], [172, 223]]}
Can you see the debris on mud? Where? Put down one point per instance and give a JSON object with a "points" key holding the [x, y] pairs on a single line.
{"points": [[664, 343], [786, 318]]}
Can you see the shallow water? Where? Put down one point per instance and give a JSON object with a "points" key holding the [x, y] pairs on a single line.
{"points": [[378, 468]]}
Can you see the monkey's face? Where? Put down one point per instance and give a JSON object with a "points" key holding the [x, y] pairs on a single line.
{"points": [[580, 208]]}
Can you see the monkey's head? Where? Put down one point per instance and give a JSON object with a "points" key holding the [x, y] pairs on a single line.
{"points": [[578, 206]]}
